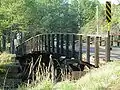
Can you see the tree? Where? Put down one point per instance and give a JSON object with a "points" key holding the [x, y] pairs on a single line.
{"points": [[43, 16], [11, 12]]}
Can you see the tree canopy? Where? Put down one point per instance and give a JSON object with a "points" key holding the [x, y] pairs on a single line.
{"points": [[42, 16]]}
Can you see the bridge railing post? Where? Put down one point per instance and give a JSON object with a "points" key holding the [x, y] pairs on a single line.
{"points": [[97, 51], [67, 45], [42, 37], [118, 43], [100, 41], [40, 43], [62, 43], [111, 38], [73, 45], [57, 46], [53, 42], [88, 49], [37, 45], [45, 40], [80, 47], [48, 42]]}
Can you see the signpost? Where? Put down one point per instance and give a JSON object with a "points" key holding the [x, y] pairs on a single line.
{"points": [[108, 18]]}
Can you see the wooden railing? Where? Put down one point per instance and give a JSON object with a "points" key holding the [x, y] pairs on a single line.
{"points": [[63, 44]]}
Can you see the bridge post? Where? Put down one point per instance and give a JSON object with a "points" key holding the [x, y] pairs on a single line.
{"points": [[57, 38], [96, 51], [53, 45], [100, 41], [118, 43], [73, 45], [40, 42], [42, 37], [4, 41], [62, 42], [88, 49], [0, 46], [48, 42], [80, 47], [111, 40], [67, 45], [12, 46], [45, 40]]}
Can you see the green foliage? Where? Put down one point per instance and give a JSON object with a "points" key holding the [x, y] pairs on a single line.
{"points": [[11, 12], [91, 27], [42, 16]]}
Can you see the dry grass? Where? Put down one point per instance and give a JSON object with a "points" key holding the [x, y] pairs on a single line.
{"points": [[6, 58], [106, 77]]}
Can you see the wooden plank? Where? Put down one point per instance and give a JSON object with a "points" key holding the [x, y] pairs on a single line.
{"points": [[118, 43], [48, 42], [62, 43], [73, 45], [57, 38], [67, 45], [37, 43], [88, 49], [80, 48], [97, 51], [24, 49], [11, 42], [31, 43], [53, 45], [42, 42], [100, 41], [111, 37], [45, 40]]}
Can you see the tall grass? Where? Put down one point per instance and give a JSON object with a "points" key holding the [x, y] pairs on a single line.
{"points": [[6, 58], [42, 82], [103, 78]]}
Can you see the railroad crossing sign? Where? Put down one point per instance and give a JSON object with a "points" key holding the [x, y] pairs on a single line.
{"points": [[108, 11]]}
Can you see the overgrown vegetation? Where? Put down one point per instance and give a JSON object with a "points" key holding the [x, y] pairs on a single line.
{"points": [[104, 78], [6, 58]]}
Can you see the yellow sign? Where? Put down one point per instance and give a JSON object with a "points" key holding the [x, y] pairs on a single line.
{"points": [[108, 11]]}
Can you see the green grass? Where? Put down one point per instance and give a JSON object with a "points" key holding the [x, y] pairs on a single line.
{"points": [[106, 77]]}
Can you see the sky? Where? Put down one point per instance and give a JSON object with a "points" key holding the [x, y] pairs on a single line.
{"points": [[113, 1]]}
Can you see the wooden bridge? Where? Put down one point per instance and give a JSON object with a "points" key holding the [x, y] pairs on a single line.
{"points": [[63, 44], [70, 45]]}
